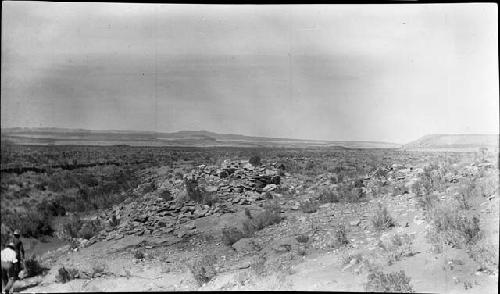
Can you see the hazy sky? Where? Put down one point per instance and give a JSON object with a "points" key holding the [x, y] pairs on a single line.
{"points": [[332, 72]]}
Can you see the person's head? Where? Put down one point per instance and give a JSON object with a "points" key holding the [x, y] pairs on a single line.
{"points": [[17, 234]]}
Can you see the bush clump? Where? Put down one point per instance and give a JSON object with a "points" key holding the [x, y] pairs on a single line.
{"points": [[255, 160], [33, 223], [165, 194], [486, 256], [33, 266], [455, 228], [341, 235], [400, 245], [391, 282], [77, 228], [65, 275], [138, 254], [302, 238], [203, 269], [270, 216], [231, 235], [309, 206], [328, 196], [381, 220]]}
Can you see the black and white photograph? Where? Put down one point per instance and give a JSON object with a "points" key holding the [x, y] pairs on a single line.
{"points": [[162, 147]]}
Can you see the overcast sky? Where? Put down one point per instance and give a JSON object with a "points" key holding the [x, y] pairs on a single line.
{"points": [[331, 72]]}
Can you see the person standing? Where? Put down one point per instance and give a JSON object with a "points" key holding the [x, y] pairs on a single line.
{"points": [[9, 267], [19, 250]]}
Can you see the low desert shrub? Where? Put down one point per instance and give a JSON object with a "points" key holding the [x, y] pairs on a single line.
{"points": [[65, 275], [89, 229], [328, 196], [270, 216], [400, 245], [138, 254], [309, 206], [427, 201], [33, 266], [203, 269], [348, 257], [258, 265], [381, 220], [248, 214], [231, 235], [98, 268], [349, 193], [72, 226], [391, 282], [165, 194], [114, 222], [399, 188], [485, 256], [77, 228], [309, 165], [255, 160], [182, 197], [341, 235], [32, 223], [456, 228], [302, 238]]}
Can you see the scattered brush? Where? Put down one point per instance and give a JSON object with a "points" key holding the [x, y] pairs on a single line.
{"points": [[65, 275], [302, 238], [350, 193], [381, 220], [454, 227], [486, 256], [33, 266], [138, 254], [98, 269], [247, 213], [328, 196], [258, 265], [349, 257], [400, 245], [391, 282], [341, 236], [255, 160], [309, 206], [114, 222], [231, 235], [270, 216], [203, 269]]}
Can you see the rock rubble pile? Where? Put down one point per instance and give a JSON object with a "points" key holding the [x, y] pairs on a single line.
{"points": [[233, 183]]}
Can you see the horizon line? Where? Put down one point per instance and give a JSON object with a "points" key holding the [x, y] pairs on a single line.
{"points": [[239, 134]]}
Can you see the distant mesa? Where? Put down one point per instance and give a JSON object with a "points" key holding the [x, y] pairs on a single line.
{"points": [[455, 141], [64, 136]]}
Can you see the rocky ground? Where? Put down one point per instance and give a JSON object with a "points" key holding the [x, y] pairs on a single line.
{"points": [[150, 241]]}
